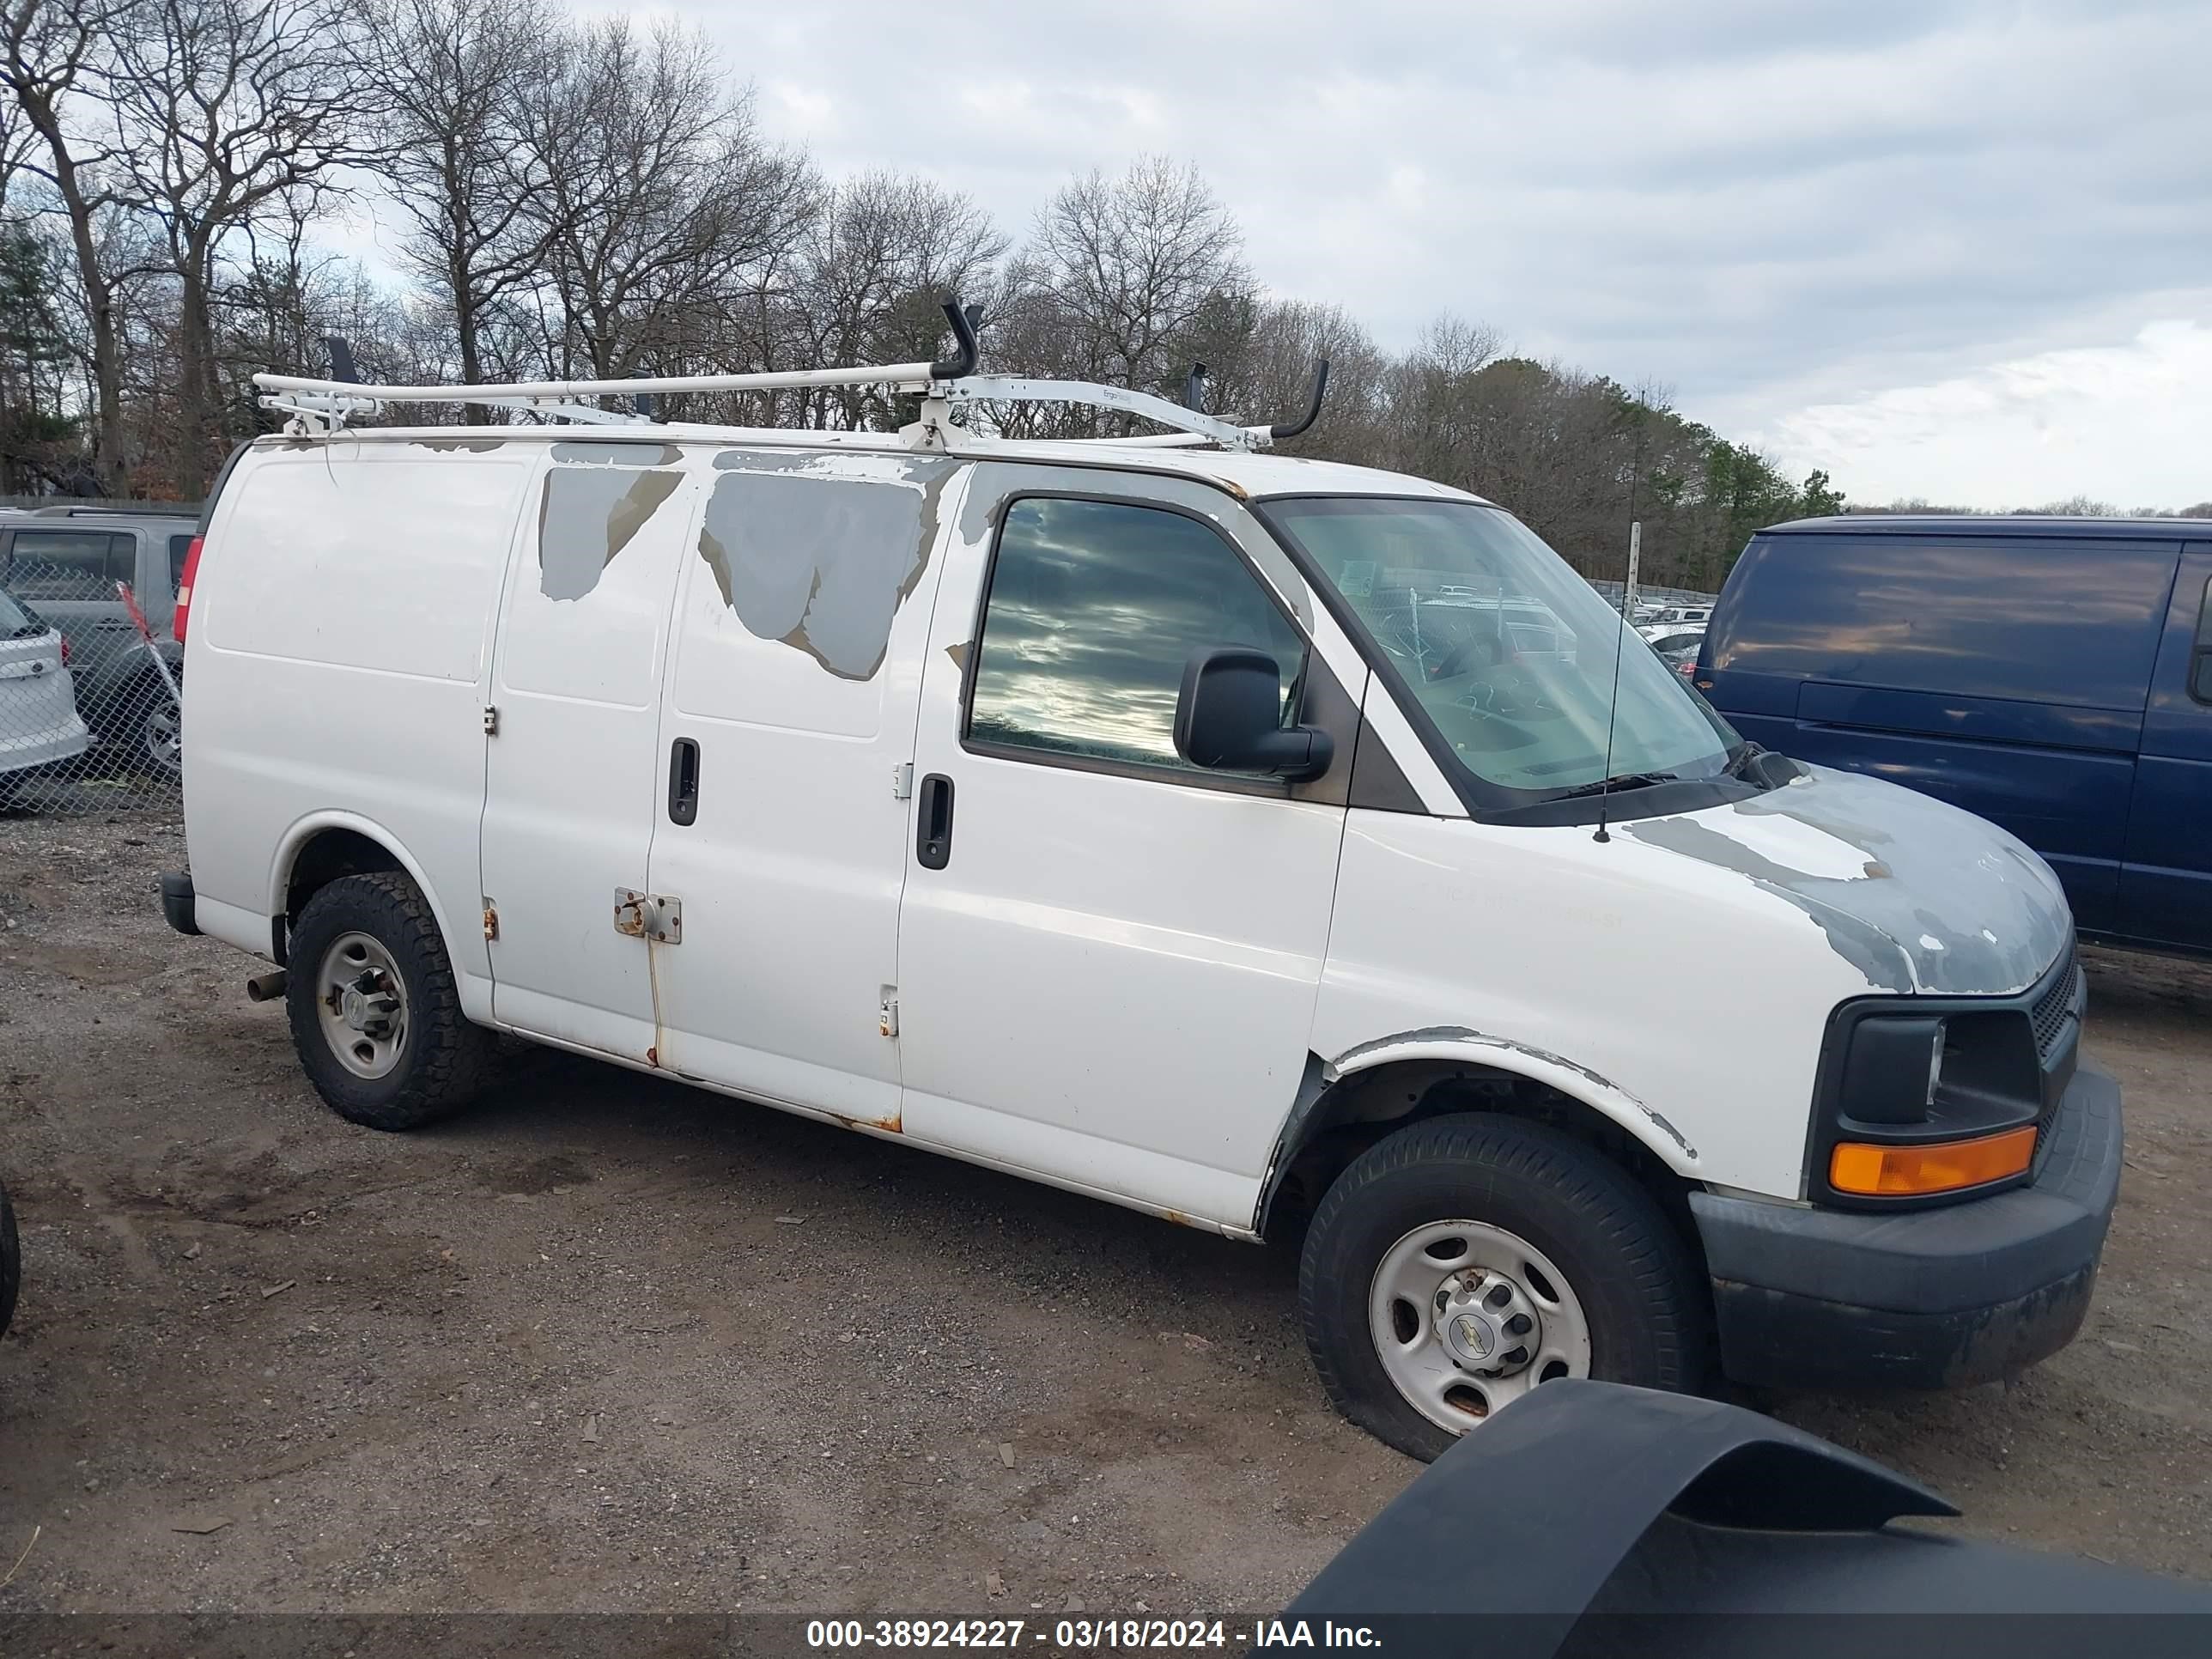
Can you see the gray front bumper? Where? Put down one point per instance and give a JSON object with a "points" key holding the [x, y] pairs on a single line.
{"points": [[1926, 1298]]}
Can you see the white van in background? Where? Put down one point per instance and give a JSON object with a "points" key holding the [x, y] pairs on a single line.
{"points": [[1078, 809]]}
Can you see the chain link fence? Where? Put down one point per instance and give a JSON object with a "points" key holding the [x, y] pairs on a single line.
{"points": [[91, 700]]}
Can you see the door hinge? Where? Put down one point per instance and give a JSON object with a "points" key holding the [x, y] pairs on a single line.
{"points": [[902, 780], [491, 720], [887, 1022], [491, 920]]}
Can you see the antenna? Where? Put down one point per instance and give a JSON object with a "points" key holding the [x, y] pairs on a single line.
{"points": [[1613, 708]]}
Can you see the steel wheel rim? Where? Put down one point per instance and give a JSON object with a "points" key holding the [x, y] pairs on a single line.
{"points": [[163, 737], [361, 999], [1442, 1310]]}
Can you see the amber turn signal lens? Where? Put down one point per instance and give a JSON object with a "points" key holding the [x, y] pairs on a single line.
{"points": [[1942, 1167]]}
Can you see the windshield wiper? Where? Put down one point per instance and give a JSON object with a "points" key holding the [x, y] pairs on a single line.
{"points": [[1614, 786]]}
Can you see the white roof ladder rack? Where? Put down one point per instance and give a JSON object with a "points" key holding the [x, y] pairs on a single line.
{"points": [[324, 407]]}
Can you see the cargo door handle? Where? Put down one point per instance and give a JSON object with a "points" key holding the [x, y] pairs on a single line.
{"points": [[932, 844], [683, 781]]}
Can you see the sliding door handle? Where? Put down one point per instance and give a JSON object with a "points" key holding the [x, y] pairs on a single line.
{"points": [[683, 781], [933, 837]]}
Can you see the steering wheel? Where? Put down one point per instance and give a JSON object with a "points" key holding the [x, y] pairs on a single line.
{"points": [[1476, 651]]}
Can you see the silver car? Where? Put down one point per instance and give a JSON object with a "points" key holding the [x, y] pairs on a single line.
{"points": [[40, 727]]}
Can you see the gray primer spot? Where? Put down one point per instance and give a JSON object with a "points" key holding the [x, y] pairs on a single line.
{"points": [[587, 516], [618, 454], [1945, 901], [1335, 1069], [820, 561]]}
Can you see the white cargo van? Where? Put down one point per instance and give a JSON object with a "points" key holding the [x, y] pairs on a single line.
{"points": [[1078, 809]]}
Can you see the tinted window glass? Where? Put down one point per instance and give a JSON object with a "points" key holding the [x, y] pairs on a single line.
{"points": [[1095, 608], [180, 546], [2035, 619], [69, 564], [2200, 677]]}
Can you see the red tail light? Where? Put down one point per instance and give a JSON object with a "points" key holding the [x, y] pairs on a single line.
{"points": [[66, 651], [183, 615]]}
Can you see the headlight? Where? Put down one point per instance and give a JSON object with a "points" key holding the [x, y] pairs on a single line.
{"points": [[1924, 1105]]}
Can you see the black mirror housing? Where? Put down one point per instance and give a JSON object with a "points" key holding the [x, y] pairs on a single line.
{"points": [[1227, 718]]}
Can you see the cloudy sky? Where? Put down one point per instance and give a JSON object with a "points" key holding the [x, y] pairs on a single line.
{"points": [[1958, 249]]}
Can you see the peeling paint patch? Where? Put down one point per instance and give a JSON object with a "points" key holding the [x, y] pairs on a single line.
{"points": [[959, 654], [617, 454], [819, 551], [586, 516], [1335, 1069], [1938, 901]]}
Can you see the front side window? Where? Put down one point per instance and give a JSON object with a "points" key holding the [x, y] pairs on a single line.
{"points": [[1095, 609], [1509, 653]]}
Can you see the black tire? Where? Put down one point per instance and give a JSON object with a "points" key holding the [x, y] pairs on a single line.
{"points": [[11, 1262], [1628, 1267], [443, 1059]]}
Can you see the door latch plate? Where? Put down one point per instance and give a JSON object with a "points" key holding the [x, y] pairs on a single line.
{"points": [[654, 917]]}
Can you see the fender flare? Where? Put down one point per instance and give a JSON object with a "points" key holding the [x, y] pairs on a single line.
{"points": [[305, 830], [1648, 1128], [1601, 1094]]}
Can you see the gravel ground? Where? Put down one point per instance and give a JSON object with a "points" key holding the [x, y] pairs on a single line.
{"points": [[608, 1343]]}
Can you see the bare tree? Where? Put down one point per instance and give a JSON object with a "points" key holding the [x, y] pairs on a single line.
{"points": [[1123, 276], [869, 274], [225, 111], [665, 211], [57, 52], [461, 75]]}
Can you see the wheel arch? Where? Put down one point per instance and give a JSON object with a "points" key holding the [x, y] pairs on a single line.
{"points": [[324, 846], [1346, 1104]]}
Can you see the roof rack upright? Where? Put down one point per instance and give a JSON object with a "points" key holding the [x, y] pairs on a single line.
{"points": [[325, 405]]}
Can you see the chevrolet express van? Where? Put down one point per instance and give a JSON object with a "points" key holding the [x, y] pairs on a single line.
{"points": [[2053, 675], [1083, 810]]}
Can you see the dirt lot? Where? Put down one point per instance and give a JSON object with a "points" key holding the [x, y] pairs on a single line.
{"points": [[608, 1343]]}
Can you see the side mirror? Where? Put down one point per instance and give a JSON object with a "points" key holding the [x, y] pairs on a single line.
{"points": [[1227, 718]]}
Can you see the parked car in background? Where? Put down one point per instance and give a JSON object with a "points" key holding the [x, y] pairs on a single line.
{"points": [[2053, 675], [1677, 645], [66, 562], [1681, 616], [39, 726]]}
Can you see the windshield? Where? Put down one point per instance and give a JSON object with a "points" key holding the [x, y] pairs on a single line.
{"points": [[1509, 653]]}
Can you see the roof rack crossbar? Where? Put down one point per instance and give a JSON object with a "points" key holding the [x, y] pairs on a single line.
{"points": [[327, 404], [1013, 389]]}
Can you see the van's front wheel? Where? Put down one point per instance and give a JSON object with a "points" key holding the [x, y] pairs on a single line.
{"points": [[1464, 1260], [374, 1011]]}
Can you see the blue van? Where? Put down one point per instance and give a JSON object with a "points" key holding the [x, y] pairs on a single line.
{"points": [[2053, 675]]}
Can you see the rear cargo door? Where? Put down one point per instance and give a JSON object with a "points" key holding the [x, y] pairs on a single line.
{"points": [[2166, 883], [572, 769]]}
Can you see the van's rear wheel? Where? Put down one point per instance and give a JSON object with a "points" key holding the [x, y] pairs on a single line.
{"points": [[376, 1014], [1464, 1260]]}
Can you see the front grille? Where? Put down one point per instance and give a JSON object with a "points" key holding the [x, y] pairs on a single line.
{"points": [[2057, 1005]]}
